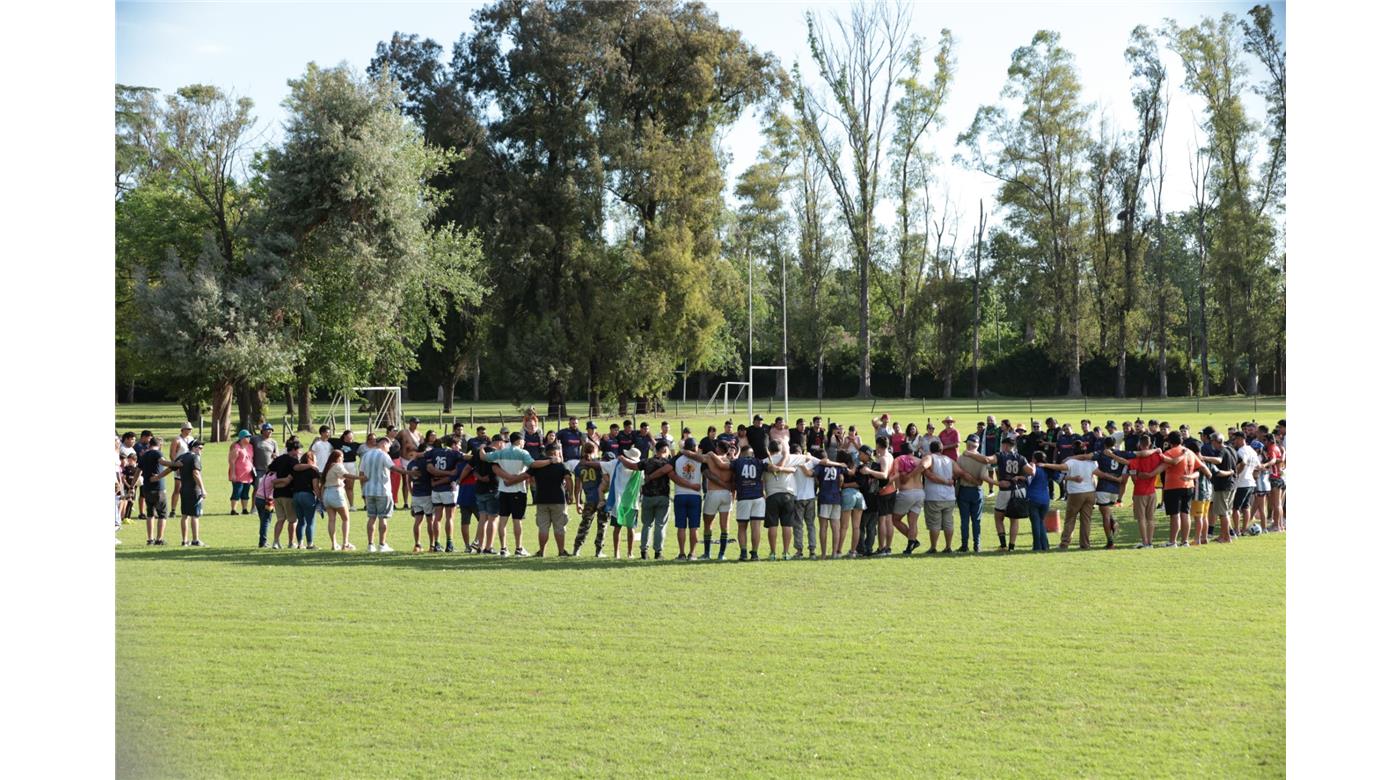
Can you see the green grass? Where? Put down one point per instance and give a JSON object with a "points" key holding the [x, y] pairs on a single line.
{"points": [[233, 661]]}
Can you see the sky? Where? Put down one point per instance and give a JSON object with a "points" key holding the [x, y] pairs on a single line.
{"points": [[253, 48]]}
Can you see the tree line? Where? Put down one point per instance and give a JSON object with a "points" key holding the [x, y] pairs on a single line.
{"points": [[543, 208]]}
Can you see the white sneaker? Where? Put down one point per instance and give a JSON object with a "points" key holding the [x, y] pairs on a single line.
{"points": [[347, 546], [385, 548], [374, 548], [334, 547], [520, 553]]}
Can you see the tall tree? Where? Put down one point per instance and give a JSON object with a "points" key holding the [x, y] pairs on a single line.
{"points": [[1037, 156], [350, 216], [860, 61]]}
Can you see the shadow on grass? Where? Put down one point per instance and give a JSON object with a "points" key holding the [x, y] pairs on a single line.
{"points": [[550, 563]]}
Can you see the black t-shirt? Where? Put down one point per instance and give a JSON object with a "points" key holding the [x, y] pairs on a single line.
{"points": [[282, 467], [758, 439], [1229, 461], [661, 486], [150, 467], [707, 445], [349, 449], [549, 483], [189, 463], [485, 475], [303, 480], [644, 443]]}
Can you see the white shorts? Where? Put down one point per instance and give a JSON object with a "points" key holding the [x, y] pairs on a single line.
{"points": [[351, 469], [829, 511], [445, 497], [717, 501], [751, 509], [421, 505], [1003, 498], [1105, 499], [571, 465]]}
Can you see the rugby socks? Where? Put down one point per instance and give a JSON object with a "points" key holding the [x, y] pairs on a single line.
{"points": [[707, 545], [1001, 535]]}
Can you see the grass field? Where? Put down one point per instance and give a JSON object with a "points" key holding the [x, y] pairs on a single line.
{"points": [[233, 661]]}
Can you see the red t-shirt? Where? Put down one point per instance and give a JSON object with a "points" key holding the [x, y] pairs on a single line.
{"points": [[1144, 485], [948, 437], [1275, 453]]}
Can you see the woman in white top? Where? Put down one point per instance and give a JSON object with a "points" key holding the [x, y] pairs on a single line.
{"points": [[332, 495]]}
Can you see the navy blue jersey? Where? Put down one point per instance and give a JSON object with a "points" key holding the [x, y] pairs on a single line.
{"points": [[1064, 446], [1011, 467], [422, 482], [1109, 466], [748, 484], [534, 444], [829, 491], [572, 442], [727, 438]]}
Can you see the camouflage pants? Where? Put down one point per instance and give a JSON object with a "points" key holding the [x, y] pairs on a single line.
{"points": [[590, 513]]}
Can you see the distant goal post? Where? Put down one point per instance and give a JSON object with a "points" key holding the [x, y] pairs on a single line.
{"points": [[728, 404], [385, 408]]}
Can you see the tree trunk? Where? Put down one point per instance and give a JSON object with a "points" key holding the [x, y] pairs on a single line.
{"points": [[908, 378], [821, 375], [131, 392], [948, 385], [476, 380], [864, 390], [193, 411], [287, 395], [243, 395], [1162, 360], [220, 405], [303, 406], [703, 386], [558, 405]]}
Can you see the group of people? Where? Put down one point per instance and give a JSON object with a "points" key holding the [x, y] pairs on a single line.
{"points": [[818, 490]]}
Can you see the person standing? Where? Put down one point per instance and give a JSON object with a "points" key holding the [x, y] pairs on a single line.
{"points": [[1247, 462], [420, 488], [881, 470], [321, 447], [191, 481], [719, 494], [941, 474], [302, 481], [686, 474], [264, 450], [1111, 473], [240, 472], [512, 460], [1179, 486], [153, 466], [179, 446], [908, 498], [263, 503], [779, 489], [1079, 469], [350, 451], [488, 497], [828, 475], [376, 466], [1011, 470], [969, 493], [331, 487], [1038, 500], [805, 495], [445, 464], [1226, 461], [591, 486], [948, 437], [749, 500], [1143, 469], [283, 505]]}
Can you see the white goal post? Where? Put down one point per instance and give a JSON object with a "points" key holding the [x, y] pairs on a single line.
{"points": [[783, 369], [388, 412], [728, 405]]}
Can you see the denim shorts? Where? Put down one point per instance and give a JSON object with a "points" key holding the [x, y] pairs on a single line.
{"points": [[488, 502], [242, 491], [378, 506], [851, 499]]}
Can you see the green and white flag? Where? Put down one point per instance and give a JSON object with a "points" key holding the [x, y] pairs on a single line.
{"points": [[627, 493]]}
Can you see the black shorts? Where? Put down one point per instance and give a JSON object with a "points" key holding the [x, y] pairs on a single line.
{"points": [[1243, 496], [884, 504], [513, 505], [155, 502], [1178, 500], [1277, 483], [781, 511]]}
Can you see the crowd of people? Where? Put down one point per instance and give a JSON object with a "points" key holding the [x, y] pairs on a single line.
{"points": [[817, 490]]}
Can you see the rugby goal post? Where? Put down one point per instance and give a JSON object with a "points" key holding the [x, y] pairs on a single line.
{"points": [[774, 369], [388, 411], [728, 405]]}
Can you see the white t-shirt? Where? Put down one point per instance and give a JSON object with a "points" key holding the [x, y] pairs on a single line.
{"points": [[687, 469], [1084, 469], [322, 450], [805, 486], [773, 482], [1249, 461], [933, 491], [375, 466]]}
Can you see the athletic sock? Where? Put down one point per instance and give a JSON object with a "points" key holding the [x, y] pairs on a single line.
{"points": [[723, 543], [1002, 536], [707, 545], [909, 546]]}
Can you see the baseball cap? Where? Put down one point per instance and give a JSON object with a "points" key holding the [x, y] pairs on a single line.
{"points": [[267, 426], [758, 418], [198, 443], [1009, 440], [413, 419], [591, 425], [972, 437]]}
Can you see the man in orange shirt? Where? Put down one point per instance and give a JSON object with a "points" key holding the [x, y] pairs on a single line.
{"points": [[1143, 469], [1179, 479]]}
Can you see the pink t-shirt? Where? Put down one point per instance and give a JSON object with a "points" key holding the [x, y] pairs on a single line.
{"points": [[948, 437], [242, 467]]}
